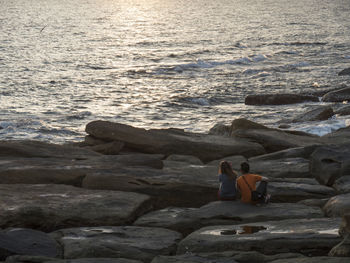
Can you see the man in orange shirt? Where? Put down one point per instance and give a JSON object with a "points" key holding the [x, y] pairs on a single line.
{"points": [[247, 183]]}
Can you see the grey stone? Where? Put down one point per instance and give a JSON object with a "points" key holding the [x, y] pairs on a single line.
{"points": [[220, 129], [342, 249], [281, 168], [337, 96], [328, 163], [318, 114], [50, 207], [343, 111], [313, 260], [342, 185], [272, 140], [224, 257], [314, 202], [307, 236], [186, 220], [126, 242], [344, 72], [278, 99], [20, 241], [205, 147], [109, 148], [67, 171], [184, 158], [36, 259], [337, 205]]}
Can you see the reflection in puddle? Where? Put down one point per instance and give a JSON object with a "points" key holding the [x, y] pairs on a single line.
{"points": [[245, 230], [251, 229]]}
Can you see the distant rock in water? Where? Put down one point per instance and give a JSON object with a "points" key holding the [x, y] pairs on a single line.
{"points": [[337, 96], [344, 72], [318, 114], [343, 111], [278, 99]]}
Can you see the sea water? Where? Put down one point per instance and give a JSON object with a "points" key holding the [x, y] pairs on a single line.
{"points": [[164, 63]]}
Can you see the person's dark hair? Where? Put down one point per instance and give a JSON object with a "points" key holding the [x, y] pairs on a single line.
{"points": [[226, 168], [245, 167]]}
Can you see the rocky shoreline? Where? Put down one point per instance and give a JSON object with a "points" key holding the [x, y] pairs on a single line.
{"points": [[131, 195]]}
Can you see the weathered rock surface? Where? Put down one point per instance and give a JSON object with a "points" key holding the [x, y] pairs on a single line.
{"points": [[281, 168], [344, 72], [337, 96], [66, 171], [318, 114], [36, 259], [43, 150], [298, 152], [166, 189], [342, 249], [272, 140], [186, 220], [20, 241], [185, 159], [313, 260], [278, 99], [343, 111], [125, 242], [342, 185], [224, 257], [330, 162], [50, 207], [338, 137], [205, 147], [337, 205], [314, 202], [307, 236], [220, 129], [109, 148]]}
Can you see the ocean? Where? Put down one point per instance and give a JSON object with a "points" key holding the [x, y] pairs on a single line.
{"points": [[164, 63]]}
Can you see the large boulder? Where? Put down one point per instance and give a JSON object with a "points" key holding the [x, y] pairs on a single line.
{"points": [[344, 72], [328, 163], [337, 96], [308, 236], [318, 114], [50, 207], [205, 147], [272, 140], [278, 99], [342, 185], [186, 220], [337, 206], [141, 243], [20, 241]]}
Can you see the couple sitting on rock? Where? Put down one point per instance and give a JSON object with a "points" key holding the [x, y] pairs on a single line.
{"points": [[231, 183]]}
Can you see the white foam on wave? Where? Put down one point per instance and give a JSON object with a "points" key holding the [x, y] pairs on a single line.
{"points": [[201, 64], [323, 128], [200, 101]]}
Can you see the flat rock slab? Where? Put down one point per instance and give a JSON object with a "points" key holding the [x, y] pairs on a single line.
{"points": [[186, 220], [20, 241], [36, 259], [141, 243], [308, 236], [50, 207], [224, 257], [281, 168], [278, 99], [338, 205], [313, 260], [172, 141], [27, 148], [68, 171]]}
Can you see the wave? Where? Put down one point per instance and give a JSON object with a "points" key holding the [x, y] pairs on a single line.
{"points": [[201, 64], [297, 43]]}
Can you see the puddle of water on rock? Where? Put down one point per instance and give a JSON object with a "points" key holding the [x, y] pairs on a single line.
{"points": [[245, 230]]}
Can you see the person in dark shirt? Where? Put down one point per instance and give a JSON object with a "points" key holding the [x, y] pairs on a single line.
{"points": [[227, 179]]}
